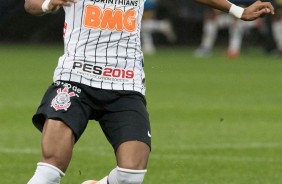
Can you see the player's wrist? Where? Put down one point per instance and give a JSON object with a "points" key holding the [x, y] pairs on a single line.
{"points": [[236, 11], [45, 6]]}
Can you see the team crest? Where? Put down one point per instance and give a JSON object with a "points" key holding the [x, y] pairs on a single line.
{"points": [[62, 100]]}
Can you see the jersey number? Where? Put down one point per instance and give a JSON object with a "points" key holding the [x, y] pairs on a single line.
{"points": [[109, 19]]}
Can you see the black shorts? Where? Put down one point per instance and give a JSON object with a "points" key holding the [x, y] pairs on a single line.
{"points": [[122, 115]]}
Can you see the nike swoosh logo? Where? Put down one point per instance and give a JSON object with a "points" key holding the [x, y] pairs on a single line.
{"points": [[149, 134]]}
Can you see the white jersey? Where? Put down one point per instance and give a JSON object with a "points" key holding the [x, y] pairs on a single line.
{"points": [[102, 45]]}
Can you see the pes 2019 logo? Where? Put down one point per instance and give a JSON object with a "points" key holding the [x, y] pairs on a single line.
{"points": [[105, 73]]}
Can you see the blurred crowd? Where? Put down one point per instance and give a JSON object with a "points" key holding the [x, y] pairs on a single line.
{"points": [[165, 22], [266, 29]]}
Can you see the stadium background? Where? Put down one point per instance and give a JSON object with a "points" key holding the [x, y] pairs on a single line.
{"points": [[186, 17], [214, 120], [35, 29]]}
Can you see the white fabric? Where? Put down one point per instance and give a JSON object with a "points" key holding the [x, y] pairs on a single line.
{"points": [[237, 11], [103, 181], [277, 30], [102, 45], [46, 174], [126, 176], [45, 6]]}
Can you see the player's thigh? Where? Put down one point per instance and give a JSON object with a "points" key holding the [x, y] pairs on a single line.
{"points": [[127, 127], [66, 102], [58, 154]]}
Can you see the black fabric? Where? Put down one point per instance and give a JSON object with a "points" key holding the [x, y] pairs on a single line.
{"points": [[122, 114]]}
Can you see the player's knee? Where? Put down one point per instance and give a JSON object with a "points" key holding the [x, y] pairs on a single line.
{"points": [[129, 176], [137, 165]]}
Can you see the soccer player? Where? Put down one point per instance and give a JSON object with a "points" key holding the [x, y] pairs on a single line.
{"points": [[151, 25], [100, 76], [277, 27], [214, 20]]}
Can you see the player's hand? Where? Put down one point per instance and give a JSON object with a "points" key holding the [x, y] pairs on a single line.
{"points": [[256, 10], [56, 4]]}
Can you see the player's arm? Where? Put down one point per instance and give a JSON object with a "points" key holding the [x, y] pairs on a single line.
{"points": [[41, 7], [254, 11]]}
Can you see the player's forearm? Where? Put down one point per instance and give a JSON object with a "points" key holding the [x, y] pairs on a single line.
{"points": [[252, 12], [34, 7], [222, 5]]}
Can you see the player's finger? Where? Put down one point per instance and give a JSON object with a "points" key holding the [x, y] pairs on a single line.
{"points": [[263, 11], [267, 7], [68, 2], [268, 10]]}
